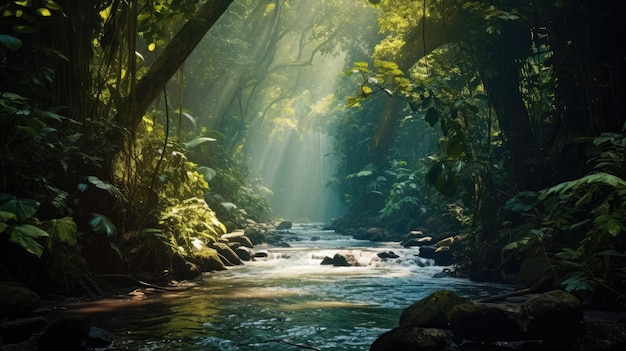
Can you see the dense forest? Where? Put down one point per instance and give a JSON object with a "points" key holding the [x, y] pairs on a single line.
{"points": [[128, 129]]}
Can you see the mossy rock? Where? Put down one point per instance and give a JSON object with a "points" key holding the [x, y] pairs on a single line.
{"points": [[412, 338], [486, 322], [17, 300], [432, 311]]}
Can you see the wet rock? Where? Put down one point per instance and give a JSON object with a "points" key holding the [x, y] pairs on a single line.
{"points": [[183, 269], [341, 260], [238, 237], [98, 337], [261, 254], [283, 225], [432, 311], [442, 257], [413, 234], [426, 240], [412, 338], [387, 255], [208, 260], [225, 251], [244, 253], [546, 321], [486, 322], [550, 315]]}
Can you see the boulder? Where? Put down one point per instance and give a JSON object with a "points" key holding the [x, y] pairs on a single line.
{"points": [[225, 251], [261, 254], [442, 256], [486, 322], [547, 321], [238, 237], [423, 241], [183, 269], [551, 315], [413, 234], [412, 338], [98, 338], [209, 260], [17, 300], [282, 225], [432, 311], [387, 255], [244, 253], [341, 260]]}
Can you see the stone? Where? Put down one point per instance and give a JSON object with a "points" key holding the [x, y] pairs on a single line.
{"points": [[208, 260], [413, 234], [225, 251], [431, 311], [98, 337], [486, 322], [550, 315], [426, 240], [387, 255], [244, 253], [412, 338], [283, 225], [238, 237], [17, 300]]}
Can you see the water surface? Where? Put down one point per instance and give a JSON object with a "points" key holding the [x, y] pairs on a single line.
{"points": [[289, 298]]}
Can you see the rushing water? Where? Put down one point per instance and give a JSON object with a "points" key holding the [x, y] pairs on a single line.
{"points": [[289, 298]]}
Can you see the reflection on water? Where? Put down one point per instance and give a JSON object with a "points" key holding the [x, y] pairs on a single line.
{"points": [[289, 297]]}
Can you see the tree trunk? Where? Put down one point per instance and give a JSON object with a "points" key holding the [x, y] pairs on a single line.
{"points": [[166, 65]]}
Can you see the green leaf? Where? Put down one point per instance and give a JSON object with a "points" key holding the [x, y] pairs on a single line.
{"points": [[22, 28], [102, 224], [5, 217], [44, 12], [207, 172], [197, 141], [614, 227], [12, 43], [26, 236], [23, 208], [52, 5], [63, 230], [432, 116], [364, 173]]}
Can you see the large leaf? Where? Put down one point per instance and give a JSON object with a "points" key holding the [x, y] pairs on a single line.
{"points": [[102, 224], [12, 43], [23, 208], [62, 230], [26, 236]]}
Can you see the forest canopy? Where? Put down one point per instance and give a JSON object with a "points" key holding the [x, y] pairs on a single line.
{"points": [[498, 121]]}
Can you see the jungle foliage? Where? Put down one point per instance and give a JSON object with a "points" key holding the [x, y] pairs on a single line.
{"points": [[503, 120], [527, 111]]}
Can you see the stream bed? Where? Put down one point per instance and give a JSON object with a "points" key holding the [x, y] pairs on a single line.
{"points": [[287, 299]]}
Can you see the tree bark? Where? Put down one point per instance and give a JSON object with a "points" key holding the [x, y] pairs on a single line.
{"points": [[166, 64]]}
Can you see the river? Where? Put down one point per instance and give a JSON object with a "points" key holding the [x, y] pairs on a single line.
{"points": [[288, 298]]}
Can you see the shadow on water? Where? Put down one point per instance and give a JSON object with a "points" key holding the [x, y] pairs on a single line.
{"points": [[288, 297]]}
